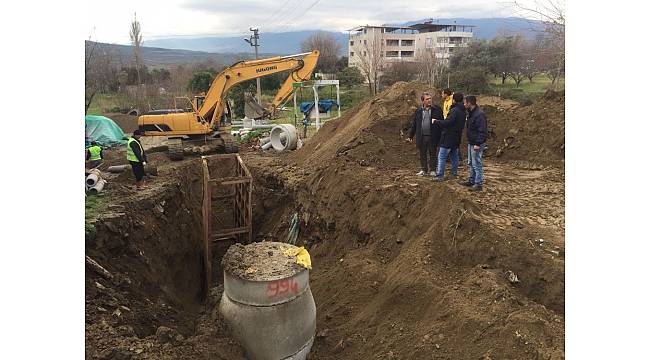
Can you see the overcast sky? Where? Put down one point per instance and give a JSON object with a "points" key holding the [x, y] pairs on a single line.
{"points": [[109, 21]]}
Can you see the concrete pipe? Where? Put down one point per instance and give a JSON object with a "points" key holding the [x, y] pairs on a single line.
{"points": [[265, 140], [267, 146], [98, 187], [92, 179], [291, 140], [117, 168], [267, 301]]}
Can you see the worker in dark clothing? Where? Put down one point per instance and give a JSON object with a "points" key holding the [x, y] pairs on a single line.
{"points": [[452, 130], [476, 135], [94, 154], [136, 157], [427, 134]]}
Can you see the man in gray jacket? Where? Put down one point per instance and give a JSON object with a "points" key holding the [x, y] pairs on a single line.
{"points": [[427, 134]]}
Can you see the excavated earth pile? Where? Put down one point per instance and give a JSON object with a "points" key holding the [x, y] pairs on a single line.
{"points": [[403, 268]]}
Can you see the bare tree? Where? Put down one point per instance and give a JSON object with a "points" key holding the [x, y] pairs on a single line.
{"points": [[428, 65], [552, 14], [101, 70], [136, 41], [371, 60], [329, 49]]}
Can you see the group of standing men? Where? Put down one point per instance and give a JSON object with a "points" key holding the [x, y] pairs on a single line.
{"points": [[438, 132]]}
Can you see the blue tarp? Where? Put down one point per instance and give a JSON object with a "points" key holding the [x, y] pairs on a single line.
{"points": [[323, 106], [103, 130]]}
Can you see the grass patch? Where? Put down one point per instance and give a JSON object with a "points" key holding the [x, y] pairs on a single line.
{"points": [[527, 92], [93, 205]]}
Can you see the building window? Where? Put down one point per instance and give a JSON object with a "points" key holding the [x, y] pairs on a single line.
{"points": [[351, 43], [407, 42], [364, 31], [392, 53], [364, 53], [407, 53], [429, 43], [365, 42], [351, 53], [392, 42], [442, 40]]}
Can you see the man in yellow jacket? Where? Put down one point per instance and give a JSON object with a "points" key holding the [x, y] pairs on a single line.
{"points": [[136, 157], [447, 101], [94, 154]]}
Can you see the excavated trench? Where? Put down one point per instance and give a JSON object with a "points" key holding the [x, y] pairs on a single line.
{"points": [[389, 280]]}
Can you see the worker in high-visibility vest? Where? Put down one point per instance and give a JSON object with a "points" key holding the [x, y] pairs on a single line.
{"points": [[94, 155], [137, 158]]}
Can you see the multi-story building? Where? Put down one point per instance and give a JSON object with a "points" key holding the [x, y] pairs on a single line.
{"points": [[387, 44]]}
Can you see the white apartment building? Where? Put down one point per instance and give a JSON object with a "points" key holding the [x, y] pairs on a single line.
{"points": [[406, 43]]}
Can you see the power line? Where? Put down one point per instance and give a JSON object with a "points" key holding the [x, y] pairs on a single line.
{"points": [[302, 14], [277, 12]]}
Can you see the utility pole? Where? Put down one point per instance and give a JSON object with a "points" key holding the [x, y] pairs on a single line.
{"points": [[253, 41]]}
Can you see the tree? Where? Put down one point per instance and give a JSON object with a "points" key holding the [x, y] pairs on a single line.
{"points": [[329, 48], [136, 40], [350, 76], [470, 80], [428, 66], [371, 59], [552, 14], [101, 71], [341, 63], [400, 71], [200, 81]]}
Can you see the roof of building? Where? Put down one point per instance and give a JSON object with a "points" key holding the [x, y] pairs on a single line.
{"points": [[427, 26]]}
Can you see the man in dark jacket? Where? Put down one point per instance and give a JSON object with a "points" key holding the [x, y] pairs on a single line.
{"points": [[452, 130], [427, 134], [136, 157], [476, 136]]}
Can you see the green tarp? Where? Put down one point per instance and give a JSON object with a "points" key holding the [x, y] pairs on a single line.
{"points": [[103, 130]]}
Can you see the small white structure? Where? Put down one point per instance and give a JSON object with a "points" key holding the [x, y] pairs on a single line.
{"points": [[315, 84]]}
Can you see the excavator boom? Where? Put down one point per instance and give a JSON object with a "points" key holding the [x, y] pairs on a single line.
{"points": [[301, 67]]}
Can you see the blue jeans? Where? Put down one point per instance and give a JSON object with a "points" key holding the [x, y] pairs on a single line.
{"points": [[475, 162], [442, 158]]}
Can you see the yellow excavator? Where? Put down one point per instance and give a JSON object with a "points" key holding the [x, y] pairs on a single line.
{"points": [[201, 119]]}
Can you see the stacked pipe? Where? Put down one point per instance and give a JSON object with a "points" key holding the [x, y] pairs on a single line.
{"points": [[94, 181]]}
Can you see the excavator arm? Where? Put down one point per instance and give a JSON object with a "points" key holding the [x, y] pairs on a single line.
{"points": [[300, 65]]}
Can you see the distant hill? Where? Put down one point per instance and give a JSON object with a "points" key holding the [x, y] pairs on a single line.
{"points": [[289, 42], [285, 43], [153, 56]]}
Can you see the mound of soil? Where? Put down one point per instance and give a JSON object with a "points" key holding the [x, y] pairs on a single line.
{"points": [[406, 268], [260, 261], [128, 123], [533, 133], [374, 132]]}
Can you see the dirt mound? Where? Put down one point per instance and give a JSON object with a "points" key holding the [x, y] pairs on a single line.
{"points": [[534, 133], [128, 123], [405, 268], [374, 132]]}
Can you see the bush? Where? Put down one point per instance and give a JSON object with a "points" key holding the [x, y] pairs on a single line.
{"points": [[471, 80], [350, 76], [399, 71], [201, 81], [518, 95]]}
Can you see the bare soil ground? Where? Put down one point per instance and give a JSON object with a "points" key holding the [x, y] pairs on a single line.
{"points": [[404, 268]]}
